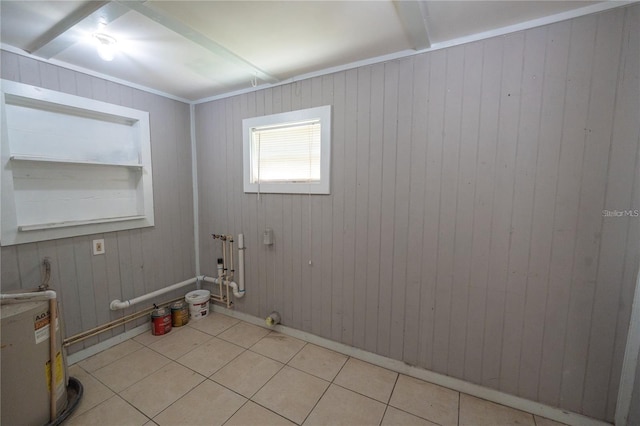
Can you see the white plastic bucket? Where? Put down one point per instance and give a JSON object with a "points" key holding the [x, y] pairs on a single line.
{"points": [[198, 301]]}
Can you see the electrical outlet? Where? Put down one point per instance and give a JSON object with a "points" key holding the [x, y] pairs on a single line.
{"points": [[98, 246]]}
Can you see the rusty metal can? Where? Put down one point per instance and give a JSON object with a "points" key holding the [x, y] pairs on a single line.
{"points": [[160, 321], [180, 313]]}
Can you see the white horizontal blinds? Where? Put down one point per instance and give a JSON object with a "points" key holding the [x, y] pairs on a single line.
{"points": [[286, 153]]}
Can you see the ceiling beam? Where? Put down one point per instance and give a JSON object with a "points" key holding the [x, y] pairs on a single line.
{"points": [[413, 14], [199, 38], [67, 32]]}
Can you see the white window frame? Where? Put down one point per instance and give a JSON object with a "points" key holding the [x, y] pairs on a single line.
{"points": [[323, 114]]}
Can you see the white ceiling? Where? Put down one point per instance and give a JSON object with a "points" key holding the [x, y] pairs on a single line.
{"points": [[198, 49]]}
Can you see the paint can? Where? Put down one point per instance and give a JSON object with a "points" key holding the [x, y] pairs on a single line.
{"points": [[198, 303], [179, 313], [160, 321]]}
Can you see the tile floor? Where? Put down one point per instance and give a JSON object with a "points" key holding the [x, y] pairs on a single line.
{"points": [[222, 371]]}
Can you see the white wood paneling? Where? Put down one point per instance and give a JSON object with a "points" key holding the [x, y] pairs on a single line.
{"points": [[463, 233]]}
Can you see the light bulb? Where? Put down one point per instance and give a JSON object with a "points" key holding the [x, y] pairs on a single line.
{"points": [[106, 46]]}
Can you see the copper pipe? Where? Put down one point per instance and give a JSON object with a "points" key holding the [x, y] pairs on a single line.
{"points": [[52, 354], [113, 324]]}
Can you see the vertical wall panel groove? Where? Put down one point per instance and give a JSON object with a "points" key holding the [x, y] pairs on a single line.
{"points": [[401, 204], [572, 162], [416, 219], [373, 270], [549, 128], [387, 211]]}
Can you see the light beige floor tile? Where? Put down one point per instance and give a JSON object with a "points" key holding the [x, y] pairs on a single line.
{"points": [[211, 356], [278, 346], [147, 338], [207, 404], [339, 406], [214, 323], [395, 417], [112, 412], [432, 402], [291, 394], [178, 343], [244, 334], [542, 421], [318, 361], [131, 368], [479, 412], [106, 357], [253, 414], [247, 373], [367, 379], [157, 391], [94, 392]]}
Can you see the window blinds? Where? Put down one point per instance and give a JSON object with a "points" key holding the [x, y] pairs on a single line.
{"points": [[286, 153]]}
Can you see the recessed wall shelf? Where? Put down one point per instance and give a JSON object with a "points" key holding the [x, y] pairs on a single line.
{"points": [[71, 166]]}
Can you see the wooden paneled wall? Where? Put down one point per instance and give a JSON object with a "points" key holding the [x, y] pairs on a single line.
{"points": [[137, 261], [464, 232]]}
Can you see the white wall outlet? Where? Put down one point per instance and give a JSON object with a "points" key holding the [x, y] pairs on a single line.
{"points": [[98, 246]]}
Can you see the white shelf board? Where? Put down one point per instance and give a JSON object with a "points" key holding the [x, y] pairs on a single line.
{"points": [[69, 161], [41, 226]]}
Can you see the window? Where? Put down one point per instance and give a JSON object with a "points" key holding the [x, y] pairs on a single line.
{"points": [[288, 152]]}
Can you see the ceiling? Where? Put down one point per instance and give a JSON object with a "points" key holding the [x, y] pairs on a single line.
{"points": [[194, 50]]}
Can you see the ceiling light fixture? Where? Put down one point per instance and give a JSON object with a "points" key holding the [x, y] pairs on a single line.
{"points": [[106, 46]]}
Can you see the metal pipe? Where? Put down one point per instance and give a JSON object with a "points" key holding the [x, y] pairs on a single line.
{"points": [[117, 304], [113, 324], [53, 314], [224, 258], [232, 270]]}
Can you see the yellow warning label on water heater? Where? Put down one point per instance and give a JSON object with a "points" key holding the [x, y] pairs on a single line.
{"points": [[59, 372]]}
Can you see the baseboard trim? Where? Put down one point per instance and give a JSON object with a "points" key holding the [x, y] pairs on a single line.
{"points": [[97, 348], [478, 391]]}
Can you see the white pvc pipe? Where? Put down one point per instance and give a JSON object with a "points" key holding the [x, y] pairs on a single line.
{"points": [[48, 294], [232, 285], [117, 304], [241, 264]]}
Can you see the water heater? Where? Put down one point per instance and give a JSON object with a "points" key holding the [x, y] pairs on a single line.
{"points": [[26, 364]]}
